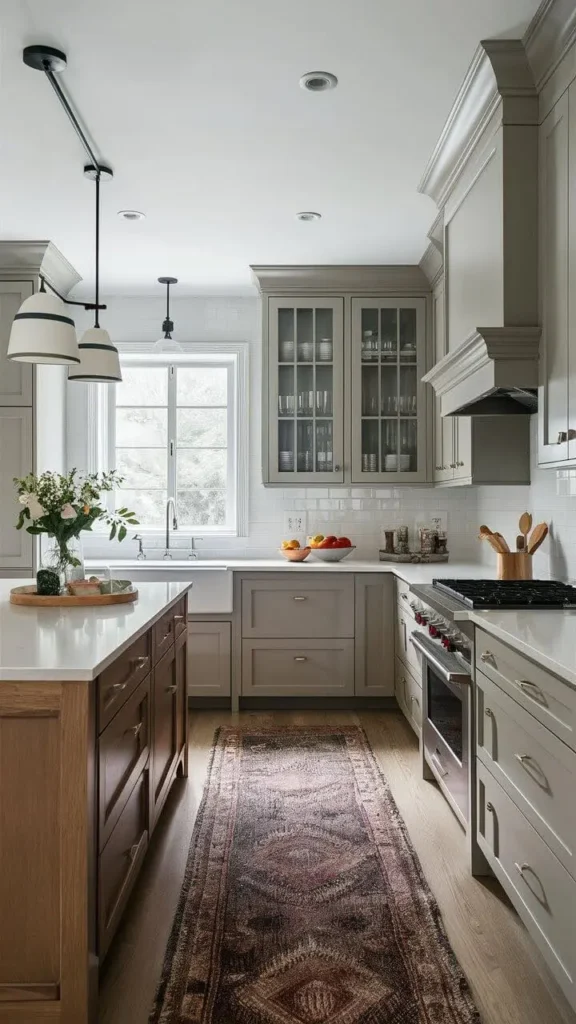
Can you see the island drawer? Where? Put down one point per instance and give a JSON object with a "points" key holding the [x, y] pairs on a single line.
{"points": [[545, 696], [123, 752], [170, 626], [119, 680], [299, 607], [408, 692], [280, 668], [120, 861], [542, 891]]}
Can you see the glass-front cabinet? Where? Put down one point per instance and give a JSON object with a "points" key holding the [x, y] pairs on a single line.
{"points": [[306, 399], [388, 398]]}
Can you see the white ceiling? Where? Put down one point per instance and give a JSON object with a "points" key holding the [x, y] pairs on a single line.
{"points": [[197, 108]]}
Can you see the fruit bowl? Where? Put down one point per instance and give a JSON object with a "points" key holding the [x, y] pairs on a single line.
{"points": [[295, 554], [332, 554]]}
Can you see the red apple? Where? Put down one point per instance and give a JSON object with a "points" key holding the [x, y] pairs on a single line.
{"points": [[329, 542], [344, 542]]}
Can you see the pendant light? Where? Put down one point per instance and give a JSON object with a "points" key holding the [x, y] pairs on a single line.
{"points": [[167, 343], [42, 331], [99, 360]]}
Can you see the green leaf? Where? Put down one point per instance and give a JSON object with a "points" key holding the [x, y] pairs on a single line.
{"points": [[113, 531], [122, 533], [34, 530]]}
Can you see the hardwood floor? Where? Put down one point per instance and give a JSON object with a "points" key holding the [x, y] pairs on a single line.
{"points": [[510, 981]]}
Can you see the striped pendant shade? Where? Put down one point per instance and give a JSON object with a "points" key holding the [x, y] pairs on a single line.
{"points": [[99, 359], [42, 332]]}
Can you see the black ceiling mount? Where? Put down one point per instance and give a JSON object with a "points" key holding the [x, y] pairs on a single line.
{"points": [[52, 62], [168, 324]]}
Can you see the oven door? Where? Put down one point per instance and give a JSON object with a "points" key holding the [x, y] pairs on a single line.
{"points": [[445, 733]]}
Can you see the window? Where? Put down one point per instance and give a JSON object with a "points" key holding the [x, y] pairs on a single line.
{"points": [[174, 432]]}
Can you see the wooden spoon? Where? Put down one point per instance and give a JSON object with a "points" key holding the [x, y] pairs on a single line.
{"points": [[492, 540], [525, 525], [485, 532], [504, 546], [538, 535]]}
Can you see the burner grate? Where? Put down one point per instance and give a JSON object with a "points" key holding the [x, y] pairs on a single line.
{"points": [[509, 593]]}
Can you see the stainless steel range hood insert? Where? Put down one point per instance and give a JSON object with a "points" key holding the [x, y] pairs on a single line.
{"points": [[493, 373]]}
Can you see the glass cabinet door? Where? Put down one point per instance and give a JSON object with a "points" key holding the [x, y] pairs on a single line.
{"points": [[306, 414], [388, 397]]}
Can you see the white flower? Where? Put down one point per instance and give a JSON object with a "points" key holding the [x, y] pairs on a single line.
{"points": [[24, 498], [34, 507], [67, 512]]}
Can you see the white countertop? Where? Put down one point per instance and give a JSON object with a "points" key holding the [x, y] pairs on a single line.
{"points": [[547, 636], [64, 644]]}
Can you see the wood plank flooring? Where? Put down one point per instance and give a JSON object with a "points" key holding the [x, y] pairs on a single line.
{"points": [[510, 981]]}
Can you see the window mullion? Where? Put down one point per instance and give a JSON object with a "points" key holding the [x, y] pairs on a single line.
{"points": [[172, 457]]}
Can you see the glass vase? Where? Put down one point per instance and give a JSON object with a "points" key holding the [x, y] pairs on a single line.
{"points": [[65, 558], [74, 560]]}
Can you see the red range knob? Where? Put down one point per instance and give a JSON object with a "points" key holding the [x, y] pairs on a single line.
{"points": [[447, 643], [433, 631]]}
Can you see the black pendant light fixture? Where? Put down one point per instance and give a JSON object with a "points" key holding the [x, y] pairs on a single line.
{"points": [[167, 343], [42, 333]]}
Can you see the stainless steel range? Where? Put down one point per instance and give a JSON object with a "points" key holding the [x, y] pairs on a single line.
{"points": [[447, 713]]}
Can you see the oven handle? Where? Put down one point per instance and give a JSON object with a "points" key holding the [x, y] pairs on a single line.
{"points": [[427, 649]]}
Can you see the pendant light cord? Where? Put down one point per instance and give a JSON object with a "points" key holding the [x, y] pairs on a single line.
{"points": [[97, 293]]}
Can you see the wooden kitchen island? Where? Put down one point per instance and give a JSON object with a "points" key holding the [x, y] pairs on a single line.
{"points": [[93, 731]]}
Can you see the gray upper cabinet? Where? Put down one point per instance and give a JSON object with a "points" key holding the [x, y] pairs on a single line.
{"points": [[305, 390], [388, 349], [15, 378], [557, 213], [344, 350]]}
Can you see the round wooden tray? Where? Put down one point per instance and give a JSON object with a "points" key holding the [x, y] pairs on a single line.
{"points": [[28, 596]]}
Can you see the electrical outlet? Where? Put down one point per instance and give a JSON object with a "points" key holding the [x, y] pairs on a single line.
{"points": [[294, 525]]}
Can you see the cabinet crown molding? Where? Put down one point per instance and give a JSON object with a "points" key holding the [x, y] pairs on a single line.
{"points": [[432, 264], [549, 36], [488, 359], [499, 77], [340, 279], [29, 259]]}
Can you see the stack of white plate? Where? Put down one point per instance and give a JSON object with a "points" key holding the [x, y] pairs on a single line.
{"points": [[390, 463], [286, 351], [286, 461], [404, 463], [305, 351], [325, 351]]}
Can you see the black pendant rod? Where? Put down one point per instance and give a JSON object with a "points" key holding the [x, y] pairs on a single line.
{"points": [[168, 325], [97, 275], [69, 111]]}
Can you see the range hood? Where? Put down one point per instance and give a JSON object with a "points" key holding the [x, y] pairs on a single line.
{"points": [[483, 176], [493, 373]]}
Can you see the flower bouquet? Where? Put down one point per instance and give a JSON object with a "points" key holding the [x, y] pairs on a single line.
{"points": [[63, 506]]}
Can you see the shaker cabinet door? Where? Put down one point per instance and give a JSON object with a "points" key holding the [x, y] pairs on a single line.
{"points": [[15, 378], [554, 246], [16, 459], [168, 723], [305, 390], [389, 408]]}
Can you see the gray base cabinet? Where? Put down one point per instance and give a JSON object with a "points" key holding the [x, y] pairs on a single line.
{"points": [[314, 634], [408, 669], [209, 653]]}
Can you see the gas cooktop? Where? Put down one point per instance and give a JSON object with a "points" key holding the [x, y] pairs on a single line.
{"points": [[509, 593]]}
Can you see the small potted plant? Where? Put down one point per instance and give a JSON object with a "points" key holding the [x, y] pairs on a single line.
{"points": [[63, 506]]}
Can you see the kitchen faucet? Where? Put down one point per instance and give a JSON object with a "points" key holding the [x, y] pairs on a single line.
{"points": [[169, 503], [193, 552]]}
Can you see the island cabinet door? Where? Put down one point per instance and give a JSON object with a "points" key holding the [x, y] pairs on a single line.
{"points": [[168, 722]]}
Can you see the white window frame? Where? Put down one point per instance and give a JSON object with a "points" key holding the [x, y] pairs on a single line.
{"points": [[101, 415]]}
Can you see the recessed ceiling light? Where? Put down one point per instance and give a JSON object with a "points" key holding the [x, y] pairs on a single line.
{"points": [[308, 215], [131, 215], [318, 81]]}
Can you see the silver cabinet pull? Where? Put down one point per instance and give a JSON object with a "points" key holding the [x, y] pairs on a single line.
{"points": [[172, 688], [487, 656], [119, 686], [489, 712], [524, 869], [415, 699], [300, 657], [530, 766], [490, 807], [135, 729], [135, 664], [131, 853], [533, 691], [178, 618], [337, 467], [404, 597], [562, 437], [300, 599]]}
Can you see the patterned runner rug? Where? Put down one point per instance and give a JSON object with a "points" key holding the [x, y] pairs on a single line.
{"points": [[303, 900]]}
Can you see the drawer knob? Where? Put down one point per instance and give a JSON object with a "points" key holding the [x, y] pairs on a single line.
{"points": [[533, 691], [300, 657], [135, 729], [172, 688], [487, 656], [299, 598]]}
